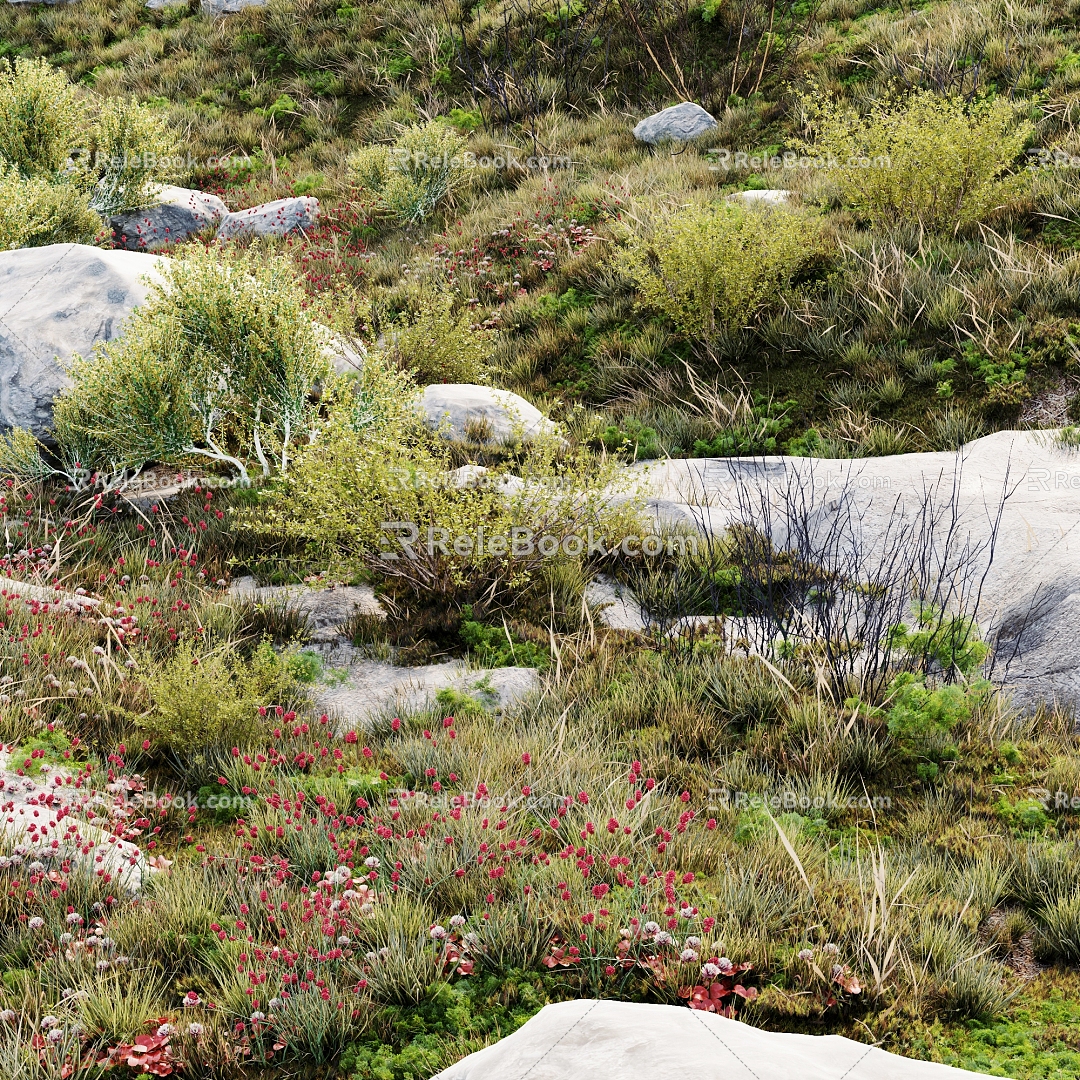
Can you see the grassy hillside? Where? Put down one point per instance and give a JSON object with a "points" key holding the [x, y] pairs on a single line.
{"points": [[893, 337], [857, 837]]}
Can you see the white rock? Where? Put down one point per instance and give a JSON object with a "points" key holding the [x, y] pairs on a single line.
{"points": [[678, 123], [57, 599], [1030, 598], [462, 411], [277, 218], [478, 476], [616, 606], [614, 1040], [765, 197], [176, 214], [45, 817], [56, 301], [374, 689]]}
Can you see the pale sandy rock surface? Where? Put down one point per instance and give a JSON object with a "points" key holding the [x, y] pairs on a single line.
{"points": [[1030, 597], [373, 688], [46, 817], [616, 1040]]}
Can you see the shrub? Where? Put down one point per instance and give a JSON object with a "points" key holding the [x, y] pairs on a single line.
{"points": [[35, 212], [410, 179], [494, 646], [42, 118], [713, 268], [946, 642], [438, 345], [206, 700], [352, 479], [940, 162], [130, 142], [919, 713], [218, 364]]}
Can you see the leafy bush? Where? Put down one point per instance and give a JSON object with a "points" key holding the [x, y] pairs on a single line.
{"points": [[410, 179], [940, 162], [218, 364], [1004, 377], [351, 479], [35, 212], [42, 118], [638, 442], [947, 642], [439, 345], [715, 267], [918, 713], [756, 434]]}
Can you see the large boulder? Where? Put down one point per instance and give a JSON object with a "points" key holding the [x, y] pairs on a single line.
{"points": [[1027, 593], [271, 219], [463, 412], [56, 301], [50, 817], [177, 213], [676, 124], [612, 1040]]}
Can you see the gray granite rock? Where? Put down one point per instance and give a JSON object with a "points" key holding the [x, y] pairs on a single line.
{"points": [[1028, 602], [325, 610], [463, 412], [177, 213], [678, 123], [613, 1040], [374, 689], [56, 301], [277, 218]]}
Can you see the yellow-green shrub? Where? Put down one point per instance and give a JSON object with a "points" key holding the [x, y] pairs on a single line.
{"points": [[348, 483], [438, 344], [42, 118], [130, 142], [410, 179], [218, 363], [35, 212], [941, 162], [206, 699], [708, 268]]}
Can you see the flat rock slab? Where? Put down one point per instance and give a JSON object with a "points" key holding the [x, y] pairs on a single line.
{"points": [[46, 817], [615, 1040], [325, 610], [1030, 597], [56, 301], [373, 689], [761, 197], [677, 123], [229, 7]]}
